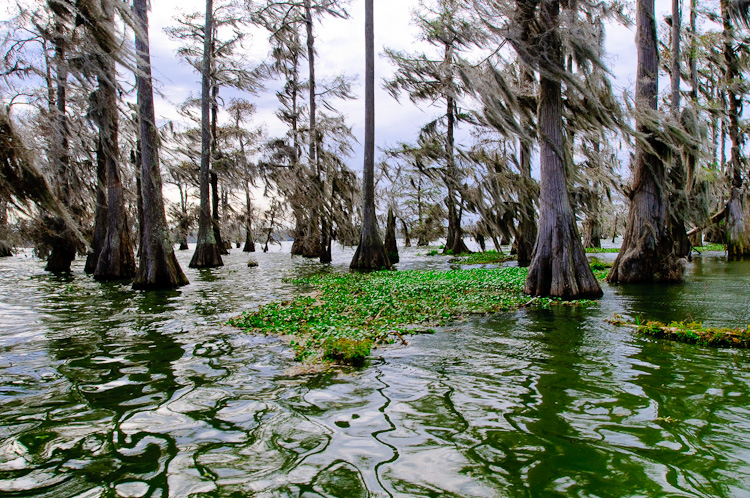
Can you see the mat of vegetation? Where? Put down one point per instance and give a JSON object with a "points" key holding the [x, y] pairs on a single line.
{"points": [[347, 314], [693, 333], [710, 247], [601, 250], [481, 258]]}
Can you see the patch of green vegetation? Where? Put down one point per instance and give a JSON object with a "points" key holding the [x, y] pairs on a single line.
{"points": [[600, 250], [479, 258], [710, 247], [693, 333], [600, 268], [350, 313]]}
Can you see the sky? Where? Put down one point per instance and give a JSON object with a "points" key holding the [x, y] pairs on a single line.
{"points": [[340, 49]]}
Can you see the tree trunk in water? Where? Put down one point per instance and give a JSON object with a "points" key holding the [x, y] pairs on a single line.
{"points": [[116, 260], [526, 232], [647, 252], [6, 249], [100, 212], [677, 175], [249, 242], [207, 251], [405, 231], [311, 246], [391, 249], [299, 235], [63, 244], [158, 267], [135, 157], [215, 223], [216, 220], [325, 241], [592, 227], [370, 254], [454, 243], [738, 224], [558, 266], [592, 233]]}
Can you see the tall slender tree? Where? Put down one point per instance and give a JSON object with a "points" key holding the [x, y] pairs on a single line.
{"points": [[370, 253], [158, 267], [427, 80], [207, 252]]}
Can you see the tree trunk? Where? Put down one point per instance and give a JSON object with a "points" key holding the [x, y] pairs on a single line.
{"points": [[592, 227], [100, 211], [370, 254], [249, 242], [526, 232], [63, 245], [184, 213], [647, 253], [6, 249], [207, 251], [405, 231], [325, 241], [391, 249], [158, 267], [738, 223], [116, 260], [215, 220], [454, 243], [136, 159], [312, 247], [558, 266], [677, 175]]}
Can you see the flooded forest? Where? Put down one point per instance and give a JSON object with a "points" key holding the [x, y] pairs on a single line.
{"points": [[478, 264]]}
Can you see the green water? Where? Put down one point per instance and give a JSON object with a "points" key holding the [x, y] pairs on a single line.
{"points": [[109, 392]]}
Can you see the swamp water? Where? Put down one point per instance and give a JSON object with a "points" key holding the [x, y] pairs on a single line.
{"points": [[105, 391]]}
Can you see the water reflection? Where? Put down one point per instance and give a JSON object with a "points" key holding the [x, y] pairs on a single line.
{"points": [[110, 392]]}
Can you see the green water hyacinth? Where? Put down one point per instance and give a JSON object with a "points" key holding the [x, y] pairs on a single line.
{"points": [[347, 314], [480, 258]]}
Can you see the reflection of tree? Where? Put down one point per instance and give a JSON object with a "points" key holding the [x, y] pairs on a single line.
{"points": [[112, 371], [568, 462]]}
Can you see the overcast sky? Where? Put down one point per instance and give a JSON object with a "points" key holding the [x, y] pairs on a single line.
{"points": [[340, 49]]}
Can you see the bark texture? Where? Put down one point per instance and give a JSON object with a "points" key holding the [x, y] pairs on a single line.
{"points": [[558, 266], [249, 241], [647, 253], [391, 249], [100, 212], [207, 251], [116, 260], [63, 245], [370, 254], [738, 225], [158, 267]]}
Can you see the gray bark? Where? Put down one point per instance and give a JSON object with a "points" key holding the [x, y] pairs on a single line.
{"points": [[370, 254], [558, 266], [158, 267], [647, 253], [116, 260], [207, 252]]}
